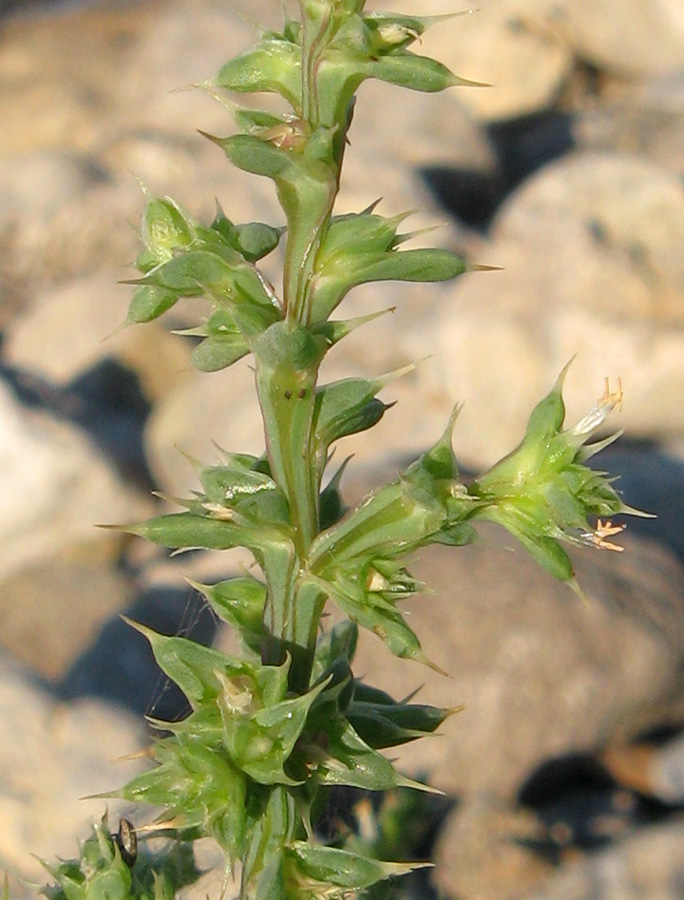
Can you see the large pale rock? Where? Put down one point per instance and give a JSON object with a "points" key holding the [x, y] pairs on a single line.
{"points": [[484, 849], [528, 50], [609, 222], [505, 45], [51, 756], [110, 67], [647, 120], [91, 108], [52, 611], [541, 673], [645, 39], [56, 486], [69, 329], [652, 769], [592, 267]]}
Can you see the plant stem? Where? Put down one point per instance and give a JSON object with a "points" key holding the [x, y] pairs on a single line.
{"points": [[288, 358]]}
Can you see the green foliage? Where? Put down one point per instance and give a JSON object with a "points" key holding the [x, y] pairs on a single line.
{"points": [[272, 730], [120, 867]]}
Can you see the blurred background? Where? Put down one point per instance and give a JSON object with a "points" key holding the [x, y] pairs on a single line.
{"points": [[564, 775]]}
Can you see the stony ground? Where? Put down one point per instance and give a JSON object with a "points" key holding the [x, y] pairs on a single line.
{"points": [[565, 772]]}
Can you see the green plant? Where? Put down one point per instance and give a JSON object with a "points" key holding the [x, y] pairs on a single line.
{"points": [[272, 730]]}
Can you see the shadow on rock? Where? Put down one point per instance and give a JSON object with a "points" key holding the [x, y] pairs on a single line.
{"points": [[120, 667]]}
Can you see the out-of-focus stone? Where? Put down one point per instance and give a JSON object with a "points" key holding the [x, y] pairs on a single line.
{"points": [[592, 267], [51, 612], [51, 755], [68, 330], [603, 227], [38, 183], [656, 770], [484, 850], [649, 863], [528, 49], [646, 120], [507, 45], [645, 39], [56, 487]]}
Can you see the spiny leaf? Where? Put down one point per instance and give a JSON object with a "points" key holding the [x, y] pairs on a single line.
{"points": [[196, 669], [331, 866]]}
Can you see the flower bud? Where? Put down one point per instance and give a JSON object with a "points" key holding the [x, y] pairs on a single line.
{"points": [[165, 228], [543, 493]]}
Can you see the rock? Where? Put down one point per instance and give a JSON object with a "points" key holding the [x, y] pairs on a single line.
{"points": [[542, 674], [95, 76], [647, 864], [58, 754], [645, 120], [112, 120], [592, 268], [656, 770], [507, 46], [52, 611], [632, 215], [57, 486], [645, 40], [68, 330], [39, 182], [485, 850], [529, 51]]}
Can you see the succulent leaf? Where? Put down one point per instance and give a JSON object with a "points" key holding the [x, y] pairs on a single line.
{"points": [[312, 869], [240, 602], [272, 66]]}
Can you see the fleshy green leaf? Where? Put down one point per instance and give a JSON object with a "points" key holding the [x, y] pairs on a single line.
{"points": [[347, 759], [196, 669], [346, 407], [388, 725], [330, 866], [240, 602], [150, 302], [166, 228], [223, 345], [261, 743], [360, 249], [273, 66]]}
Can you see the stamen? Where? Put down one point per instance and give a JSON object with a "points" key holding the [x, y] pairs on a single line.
{"points": [[216, 511], [602, 531], [599, 413]]}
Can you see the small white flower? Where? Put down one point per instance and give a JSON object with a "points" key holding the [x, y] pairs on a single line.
{"points": [[599, 413]]}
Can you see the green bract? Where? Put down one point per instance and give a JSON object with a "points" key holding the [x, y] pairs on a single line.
{"points": [[272, 730], [120, 867]]}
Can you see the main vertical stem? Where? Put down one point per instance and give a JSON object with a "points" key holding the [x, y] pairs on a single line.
{"points": [[288, 356], [287, 360], [309, 202]]}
